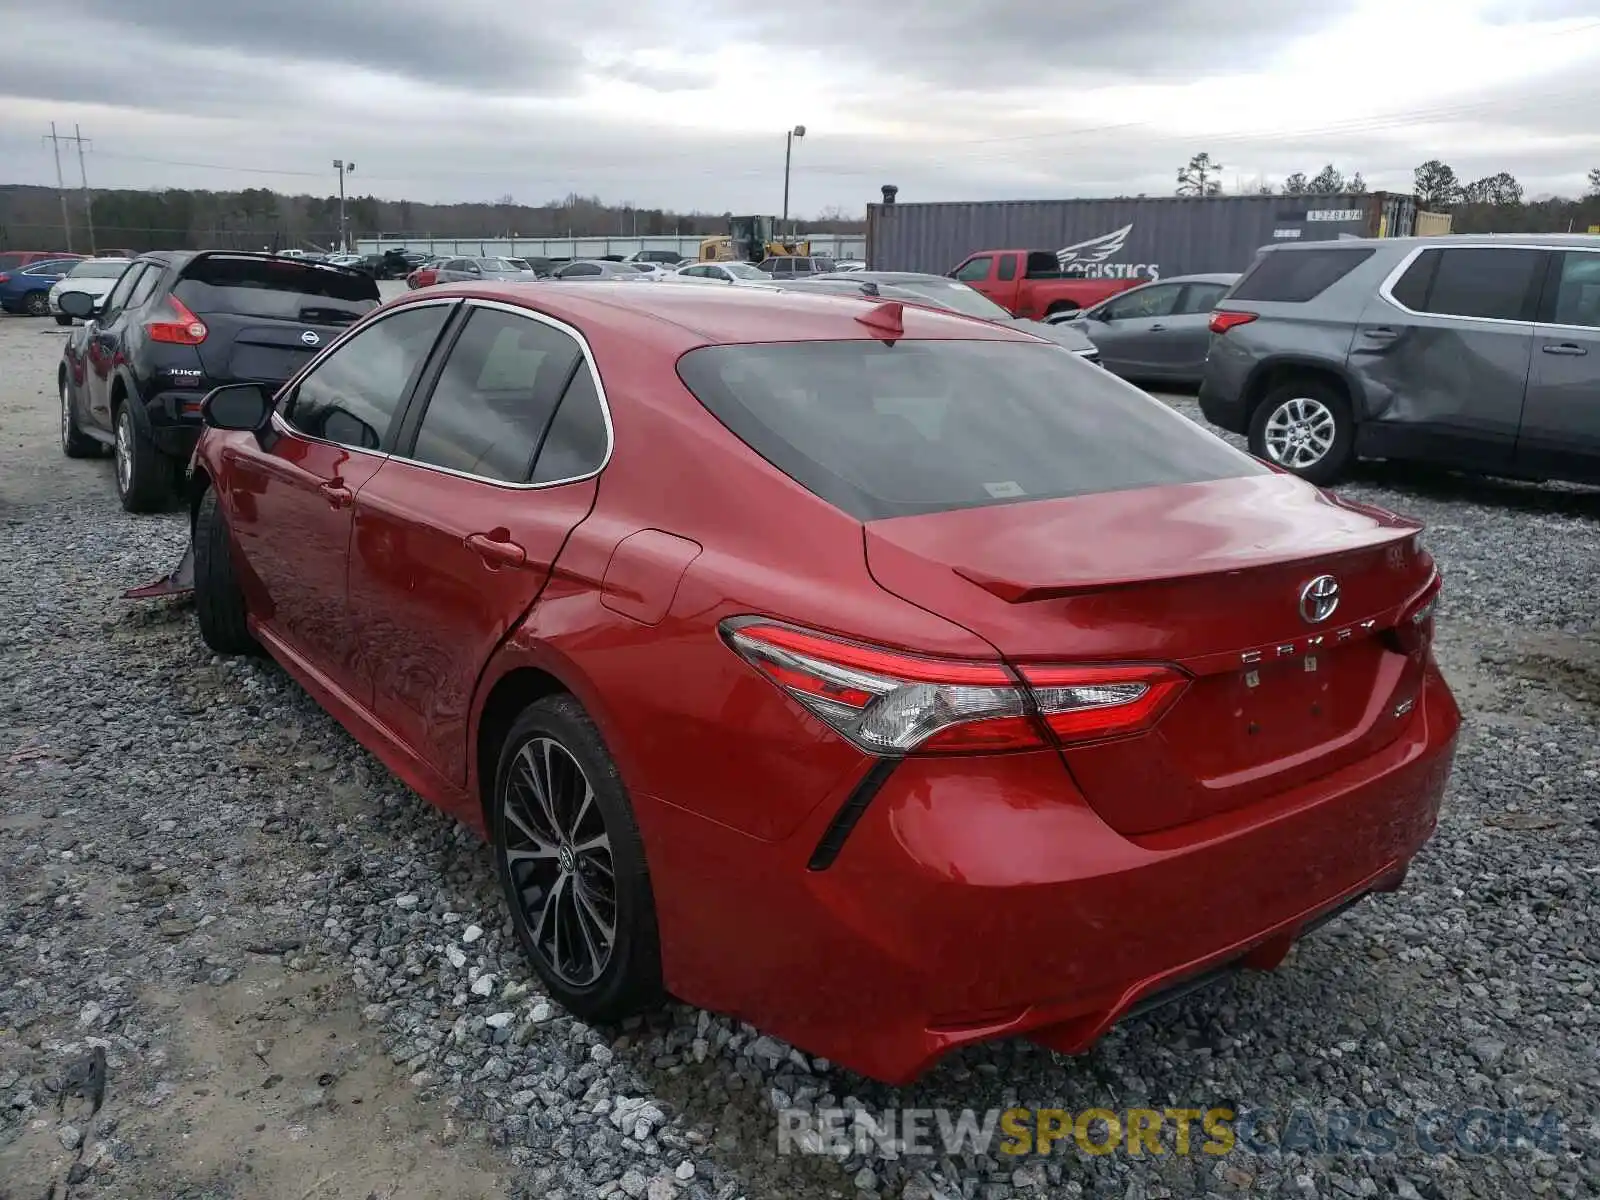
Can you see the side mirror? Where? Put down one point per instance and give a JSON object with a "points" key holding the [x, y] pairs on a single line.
{"points": [[245, 407], [78, 304]]}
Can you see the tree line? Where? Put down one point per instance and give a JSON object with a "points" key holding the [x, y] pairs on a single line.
{"points": [[1492, 204], [256, 218]]}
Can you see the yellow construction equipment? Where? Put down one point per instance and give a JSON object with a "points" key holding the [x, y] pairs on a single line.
{"points": [[750, 239]]}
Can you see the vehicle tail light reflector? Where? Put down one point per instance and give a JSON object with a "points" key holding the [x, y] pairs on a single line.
{"points": [[181, 327], [1221, 322], [890, 703], [5, 277]]}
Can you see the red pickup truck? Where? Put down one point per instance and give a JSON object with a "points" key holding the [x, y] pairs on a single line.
{"points": [[1031, 283]]}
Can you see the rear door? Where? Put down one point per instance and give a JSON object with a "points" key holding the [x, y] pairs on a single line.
{"points": [[1560, 432], [1443, 351], [111, 336], [267, 317], [456, 535], [1188, 336]]}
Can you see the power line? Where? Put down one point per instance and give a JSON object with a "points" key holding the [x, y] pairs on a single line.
{"points": [[61, 185]]}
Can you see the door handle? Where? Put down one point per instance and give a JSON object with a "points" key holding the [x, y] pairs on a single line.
{"points": [[496, 549], [336, 494], [1382, 332], [1564, 348], [1157, 328]]}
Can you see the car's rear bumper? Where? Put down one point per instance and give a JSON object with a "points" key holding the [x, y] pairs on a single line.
{"points": [[969, 905]]}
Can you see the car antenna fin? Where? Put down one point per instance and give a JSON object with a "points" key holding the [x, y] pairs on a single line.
{"points": [[885, 320]]}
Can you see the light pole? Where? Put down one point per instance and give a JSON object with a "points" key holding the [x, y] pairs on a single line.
{"points": [[799, 131], [344, 168]]}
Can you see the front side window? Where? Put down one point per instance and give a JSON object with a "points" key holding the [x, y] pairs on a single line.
{"points": [[1144, 303], [926, 426], [974, 269], [495, 396], [351, 396]]}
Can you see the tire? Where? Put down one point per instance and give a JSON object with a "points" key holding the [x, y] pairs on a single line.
{"points": [[74, 442], [144, 473], [562, 893], [218, 598], [63, 319], [1291, 429], [36, 304]]}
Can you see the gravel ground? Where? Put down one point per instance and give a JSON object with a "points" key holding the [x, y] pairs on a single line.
{"points": [[238, 959]]}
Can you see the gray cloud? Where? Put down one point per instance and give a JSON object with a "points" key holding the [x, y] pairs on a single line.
{"points": [[279, 90]]}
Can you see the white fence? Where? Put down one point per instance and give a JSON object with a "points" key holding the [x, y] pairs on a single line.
{"points": [[836, 245]]}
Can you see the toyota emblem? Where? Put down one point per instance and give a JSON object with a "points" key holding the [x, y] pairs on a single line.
{"points": [[1318, 599], [310, 338]]}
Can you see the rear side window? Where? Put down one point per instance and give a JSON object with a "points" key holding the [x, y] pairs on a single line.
{"points": [[1472, 281], [495, 396], [1295, 276], [276, 288], [927, 426], [577, 441]]}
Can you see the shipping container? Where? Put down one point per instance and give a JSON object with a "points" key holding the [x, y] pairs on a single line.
{"points": [[1136, 238]]}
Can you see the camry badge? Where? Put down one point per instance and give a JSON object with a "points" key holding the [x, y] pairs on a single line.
{"points": [[1318, 599], [310, 338]]}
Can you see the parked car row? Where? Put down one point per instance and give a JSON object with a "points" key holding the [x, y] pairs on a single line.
{"points": [[26, 277]]}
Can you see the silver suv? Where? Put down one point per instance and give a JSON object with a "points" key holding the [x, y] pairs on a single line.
{"points": [[1479, 353]]}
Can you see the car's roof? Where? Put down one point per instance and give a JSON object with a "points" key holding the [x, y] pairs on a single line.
{"points": [[1582, 241], [678, 319], [1201, 277]]}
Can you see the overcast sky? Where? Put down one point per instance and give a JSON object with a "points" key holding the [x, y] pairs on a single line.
{"points": [[684, 103]]}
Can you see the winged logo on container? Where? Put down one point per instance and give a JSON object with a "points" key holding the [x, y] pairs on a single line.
{"points": [[1095, 250]]}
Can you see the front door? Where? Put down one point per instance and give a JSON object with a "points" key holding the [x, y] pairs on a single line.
{"points": [[289, 498], [456, 535], [1560, 432], [1129, 329]]}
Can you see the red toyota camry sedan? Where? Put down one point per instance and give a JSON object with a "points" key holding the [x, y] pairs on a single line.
{"points": [[889, 679]]}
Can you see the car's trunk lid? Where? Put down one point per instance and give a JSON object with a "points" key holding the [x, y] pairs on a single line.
{"points": [[1207, 576]]}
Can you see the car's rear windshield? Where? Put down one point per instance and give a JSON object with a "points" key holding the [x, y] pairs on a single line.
{"points": [[276, 287], [1296, 276], [883, 430]]}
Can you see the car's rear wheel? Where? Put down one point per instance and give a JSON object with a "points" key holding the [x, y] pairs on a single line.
{"points": [[74, 442], [1304, 426], [144, 473], [36, 304], [218, 598], [572, 864]]}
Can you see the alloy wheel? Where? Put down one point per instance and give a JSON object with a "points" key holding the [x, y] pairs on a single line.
{"points": [[1299, 433], [558, 854], [37, 304], [124, 450]]}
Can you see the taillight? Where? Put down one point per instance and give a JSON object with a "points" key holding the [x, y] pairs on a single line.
{"points": [[1080, 703], [1413, 633], [181, 327], [1222, 321], [890, 703], [4, 277]]}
